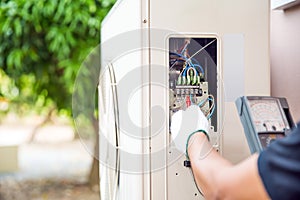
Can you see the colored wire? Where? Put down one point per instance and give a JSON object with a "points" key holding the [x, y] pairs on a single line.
{"points": [[212, 112], [189, 63], [185, 47], [191, 68], [212, 107], [202, 102], [191, 98], [201, 69], [202, 49]]}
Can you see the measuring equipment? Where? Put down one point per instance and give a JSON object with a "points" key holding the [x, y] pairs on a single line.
{"points": [[264, 119]]}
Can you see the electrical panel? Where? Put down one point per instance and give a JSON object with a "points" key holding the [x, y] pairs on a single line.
{"points": [[193, 80], [193, 75]]}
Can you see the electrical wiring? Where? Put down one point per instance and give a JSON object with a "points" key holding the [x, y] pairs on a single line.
{"points": [[201, 69], [191, 68], [188, 61], [179, 55], [185, 47], [190, 74], [191, 98], [212, 107], [202, 48], [192, 78], [212, 112], [181, 58], [202, 103], [199, 190]]}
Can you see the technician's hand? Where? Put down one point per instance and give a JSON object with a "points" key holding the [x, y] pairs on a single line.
{"points": [[186, 122]]}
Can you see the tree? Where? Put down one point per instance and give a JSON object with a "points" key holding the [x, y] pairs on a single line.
{"points": [[42, 45]]}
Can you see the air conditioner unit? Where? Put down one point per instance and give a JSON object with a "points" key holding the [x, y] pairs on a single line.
{"points": [[162, 56]]}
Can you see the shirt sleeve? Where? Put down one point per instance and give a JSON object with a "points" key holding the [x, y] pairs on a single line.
{"points": [[279, 167]]}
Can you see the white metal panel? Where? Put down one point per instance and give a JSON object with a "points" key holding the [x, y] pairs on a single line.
{"points": [[125, 16], [122, 45], [249, 18]]}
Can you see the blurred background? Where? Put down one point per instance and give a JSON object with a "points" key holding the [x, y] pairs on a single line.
{"points": [[42, 46]]}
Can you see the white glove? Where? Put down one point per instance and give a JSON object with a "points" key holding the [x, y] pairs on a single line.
{"points": [[186, 122]]}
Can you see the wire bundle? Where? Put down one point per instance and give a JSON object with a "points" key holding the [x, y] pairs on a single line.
{"points": [[192, 70], [191, 74]]}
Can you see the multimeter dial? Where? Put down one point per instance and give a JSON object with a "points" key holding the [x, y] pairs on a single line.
{"points": [[267, 115], [265, 119]]}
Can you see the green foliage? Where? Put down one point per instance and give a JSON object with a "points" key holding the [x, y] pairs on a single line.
{"points": [[42, 45]]}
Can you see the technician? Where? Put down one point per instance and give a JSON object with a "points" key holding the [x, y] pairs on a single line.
{"points": [[272, 174]]}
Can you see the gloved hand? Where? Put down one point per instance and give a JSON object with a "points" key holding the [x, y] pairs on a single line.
{"points": [[186, 122]]}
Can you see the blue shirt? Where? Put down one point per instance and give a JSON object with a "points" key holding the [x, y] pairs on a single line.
{"points": [[279, 167]]}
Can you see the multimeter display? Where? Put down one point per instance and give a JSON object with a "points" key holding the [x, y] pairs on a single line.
{"points": [[267, 115], [263, 119]]}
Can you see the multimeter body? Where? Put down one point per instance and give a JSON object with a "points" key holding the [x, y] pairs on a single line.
{"points": [[264, 119]]}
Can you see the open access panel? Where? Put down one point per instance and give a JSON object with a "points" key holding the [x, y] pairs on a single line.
{"points": [[193, 80], [193, 75]]}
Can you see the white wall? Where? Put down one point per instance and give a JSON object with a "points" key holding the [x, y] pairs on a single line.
{"points": [[285, 56]]}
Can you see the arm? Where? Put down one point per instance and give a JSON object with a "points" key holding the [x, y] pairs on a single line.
{"points": [[218, 178]]}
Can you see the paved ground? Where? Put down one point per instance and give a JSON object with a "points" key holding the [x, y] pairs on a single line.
{"points": [[53, 167], [46, 189]]}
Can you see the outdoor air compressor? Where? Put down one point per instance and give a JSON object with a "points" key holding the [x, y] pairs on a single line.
{"points": [[159, 57]]}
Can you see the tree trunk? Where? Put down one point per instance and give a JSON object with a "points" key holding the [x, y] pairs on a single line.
{"points": [[44, 122], [94, 178]]}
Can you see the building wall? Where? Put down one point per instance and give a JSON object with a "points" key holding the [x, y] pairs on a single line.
{"points": [[285, 56]]}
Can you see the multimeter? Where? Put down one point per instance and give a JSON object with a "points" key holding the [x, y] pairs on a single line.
{"points": [[264, 119]]}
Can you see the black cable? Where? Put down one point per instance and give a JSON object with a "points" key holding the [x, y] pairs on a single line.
{"points": [[195, 181]]}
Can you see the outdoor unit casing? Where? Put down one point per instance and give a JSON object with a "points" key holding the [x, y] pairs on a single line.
{"points": [[137, 157]]}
